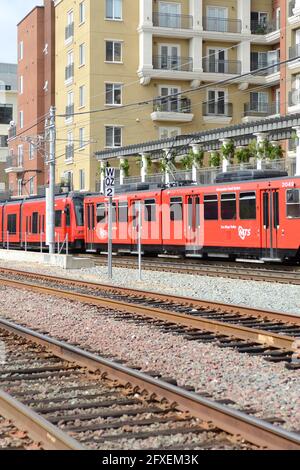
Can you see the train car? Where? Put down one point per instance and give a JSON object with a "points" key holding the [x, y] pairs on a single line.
{"points": [[125, 221], [258, 218], [24, 222]]}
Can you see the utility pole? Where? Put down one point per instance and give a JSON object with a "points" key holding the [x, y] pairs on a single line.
{"points": [[50, 215]]}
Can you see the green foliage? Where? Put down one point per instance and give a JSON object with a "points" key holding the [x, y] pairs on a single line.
{"points": [[102, 170], [243, 155], [215, 159], [125, 167], [227, 151], [192, 158], [166, 161]]}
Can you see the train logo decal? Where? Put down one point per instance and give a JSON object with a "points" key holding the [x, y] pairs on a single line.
{"points": [[101, 232], [244, 232]]}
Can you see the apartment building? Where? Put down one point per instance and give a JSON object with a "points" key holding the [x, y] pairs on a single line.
{"points": [[26, 167], [179, 53], [8, 113]]}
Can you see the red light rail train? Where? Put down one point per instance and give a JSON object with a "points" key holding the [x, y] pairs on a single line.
{"points": [[252, 214]]}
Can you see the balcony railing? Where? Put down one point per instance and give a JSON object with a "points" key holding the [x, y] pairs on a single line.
{"points": [[222, 66], [69, 111], [12, 132], [69, 31], [260, 27], [222, 25], [69, 152], [292, 144], [294, 97], [292, 5], [217, 108], [69, 72], [172, 105], [183, 64], [294, 52], [167, 20], [14, 163], [261, 109], [268, 68]]}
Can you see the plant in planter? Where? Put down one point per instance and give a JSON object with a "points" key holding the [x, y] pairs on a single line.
{"points": [[124, 166], [215, 159], [274, 151], [193, 158], [227, 150], [187, 161], [243, 155]]}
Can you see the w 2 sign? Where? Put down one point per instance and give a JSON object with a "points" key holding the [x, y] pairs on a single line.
{"points": [[109, 182]]}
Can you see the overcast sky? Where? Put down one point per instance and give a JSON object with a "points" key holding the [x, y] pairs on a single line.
{"points": [[12, 11]]}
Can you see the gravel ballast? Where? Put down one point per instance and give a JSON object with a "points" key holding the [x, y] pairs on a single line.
{"points": [[257, 294], [247, 380]]}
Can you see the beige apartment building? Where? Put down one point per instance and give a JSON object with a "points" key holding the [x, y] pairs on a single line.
{"points": [[117, 53]]}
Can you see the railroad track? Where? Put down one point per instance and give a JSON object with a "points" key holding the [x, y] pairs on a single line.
{"points": [[284, 275], [67, 398], [272, 335]]}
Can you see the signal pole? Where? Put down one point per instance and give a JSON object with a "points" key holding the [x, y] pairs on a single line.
{"points": [[50, 216]]}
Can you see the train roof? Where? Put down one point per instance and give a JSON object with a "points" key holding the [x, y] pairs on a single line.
{"points": [[71, 194]]}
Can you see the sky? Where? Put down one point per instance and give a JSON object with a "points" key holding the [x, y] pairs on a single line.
{"points": [[12, 11]]}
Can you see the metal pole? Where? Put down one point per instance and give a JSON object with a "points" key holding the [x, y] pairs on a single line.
{"points": [[51, 161], [58, 244], [140, 240], [67, 244], [25, 241], [41, 242], [109, 251]]}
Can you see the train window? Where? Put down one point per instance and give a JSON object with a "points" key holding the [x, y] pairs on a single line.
{"points": [[197, 202], [248, 206], [150, 210], [12, 223], [211, 207], [35, 218], [175, 208], [78, 205], [293, 203], [57, 218], [114, 212], [43, 224], [123, 211], [228, 206], [68, 216], [190, 212], [101, 213]]}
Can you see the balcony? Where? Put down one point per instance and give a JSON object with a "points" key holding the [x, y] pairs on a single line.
{"points": [[222, 25], [69, 73], [69, 152], [14, 164], [166, 20], [292, 5], [210, 65], [69, 32], [268, 71], [181, 64], [261, 27], [260, 110], [217, 111], [12, 132], [294, 52], [174, 109]]}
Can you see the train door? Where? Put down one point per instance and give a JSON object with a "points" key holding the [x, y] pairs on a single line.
{"points": [[193, 226], [90, 230], [135, 207], [270, 224]]}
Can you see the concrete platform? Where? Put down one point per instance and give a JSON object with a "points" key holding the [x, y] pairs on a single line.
{"points": [[61, 261]]}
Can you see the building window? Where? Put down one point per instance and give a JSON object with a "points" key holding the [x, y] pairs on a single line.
{"points": [[81, 138], [21, 85], [81, 54], [81, 12], [6, 113], [81, 180], [31, 151], [113, 9], [69, 147], [31, 186], [21, 50], [113, 136], [113, 93], [3, 141], [168, 132], [20, 155], [19, 187], [81, 96], [69, 31], [113, 51], [21, 119]]}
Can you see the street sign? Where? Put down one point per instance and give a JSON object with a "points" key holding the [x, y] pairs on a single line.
{"points": [[109, 182]]}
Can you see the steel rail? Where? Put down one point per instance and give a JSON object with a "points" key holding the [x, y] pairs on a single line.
{"points": [[38, 428], [235, 422], [231, 330], [189, 301]]}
